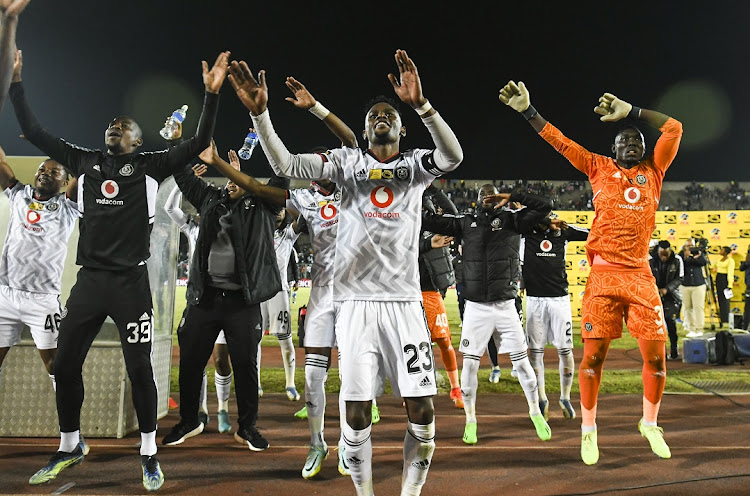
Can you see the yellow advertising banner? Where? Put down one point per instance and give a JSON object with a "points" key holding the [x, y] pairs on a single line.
{"points": [[718, 228]]}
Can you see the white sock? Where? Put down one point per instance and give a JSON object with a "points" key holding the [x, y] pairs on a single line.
{"points": [[359, 448], [537, 363], [419, 446], [148, 443], [204, 390], [316, 374], [469, 385], [69, 441], [527, 379], [54, 384], [588, 428], [287, 353], [223, 385], [566, 368]]}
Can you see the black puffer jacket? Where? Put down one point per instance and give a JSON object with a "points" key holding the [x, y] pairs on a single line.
{"points": [[490, 243], [252, 229]]}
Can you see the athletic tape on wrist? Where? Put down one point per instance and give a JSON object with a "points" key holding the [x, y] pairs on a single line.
{"points": [[529, 112], [635, 112], [424, 108], [319, 111]]}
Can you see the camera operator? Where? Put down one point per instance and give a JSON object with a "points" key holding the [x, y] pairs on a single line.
{"points": [[668, 271], [693, 288], [745, 267]]}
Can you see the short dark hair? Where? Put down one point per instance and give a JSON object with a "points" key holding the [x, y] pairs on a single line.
{"points": [[664, 244], [383, 99], [626, 125]]}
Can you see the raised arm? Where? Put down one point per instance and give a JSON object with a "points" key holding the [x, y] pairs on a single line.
{"points": [[442, 200], [254, 96], [70, 156], [517, 97], [177, 156], [172, 207], [450, 225], [408, 88], [9, 12], [7, 177], [304, 100], [269, 194]]}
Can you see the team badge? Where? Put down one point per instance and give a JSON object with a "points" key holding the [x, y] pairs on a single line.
{"points": [[632, 195], [337, 196], [588, 326], [640, 179], [387, 174], [126, 170], [110, 189], [248, 203], [402, 173], [495, 223], [52, 207], [464, 342], [36, 206]]}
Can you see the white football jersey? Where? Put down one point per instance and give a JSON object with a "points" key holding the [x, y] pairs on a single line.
{"points": [[283, 242], [37, 240], [190, 230], [379, 226], [321, 214]]}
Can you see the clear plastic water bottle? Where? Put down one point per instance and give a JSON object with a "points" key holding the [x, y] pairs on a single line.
{"points": [[169, 129], [248, 146]]}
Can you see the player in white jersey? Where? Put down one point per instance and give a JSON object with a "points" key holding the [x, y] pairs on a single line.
{"points": [[40, 223], [380, 326], [276, 312], [189, 226]]}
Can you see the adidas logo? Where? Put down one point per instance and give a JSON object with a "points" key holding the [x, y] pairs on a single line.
{"points": [[425, 382], [97, 168], [421, 464], [617, 175], [145, 316], [353, 460]]}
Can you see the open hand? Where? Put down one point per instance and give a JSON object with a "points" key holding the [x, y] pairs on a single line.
{"points": [[12, 8], [214, 78], [611, 108], [500, 199], [234, 160], [408, 87], [440, 241], [210, 154], [252, 94], [200, 169], [302, 97], [516, 96]]}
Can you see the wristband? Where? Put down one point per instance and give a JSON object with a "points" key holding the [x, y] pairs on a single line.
{"points": [[635, 112], [529, 113], [424, 108], [319, 111]]}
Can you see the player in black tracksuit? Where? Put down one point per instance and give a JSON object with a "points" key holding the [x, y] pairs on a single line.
{"points": [[116, 194]]}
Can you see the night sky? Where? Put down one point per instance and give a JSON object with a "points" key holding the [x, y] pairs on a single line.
{"points": [[88, 61]]}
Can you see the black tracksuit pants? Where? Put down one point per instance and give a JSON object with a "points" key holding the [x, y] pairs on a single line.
{"points": [[126, 297], [228, 311]]}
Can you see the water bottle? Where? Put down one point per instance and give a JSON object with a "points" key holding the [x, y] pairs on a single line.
{"points": [[248, 146], [170, 128]]}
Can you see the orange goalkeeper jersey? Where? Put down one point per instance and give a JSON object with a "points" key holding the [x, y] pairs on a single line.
{"points": [[625, 200]]}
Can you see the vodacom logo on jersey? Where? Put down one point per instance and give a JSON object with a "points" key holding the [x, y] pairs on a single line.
{"points": [[109, 189], [328, 211], [632, 195], [382, 197], [33, 216]]}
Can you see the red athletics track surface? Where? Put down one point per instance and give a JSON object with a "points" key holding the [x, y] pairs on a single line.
{"points": [[708, 435]]}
